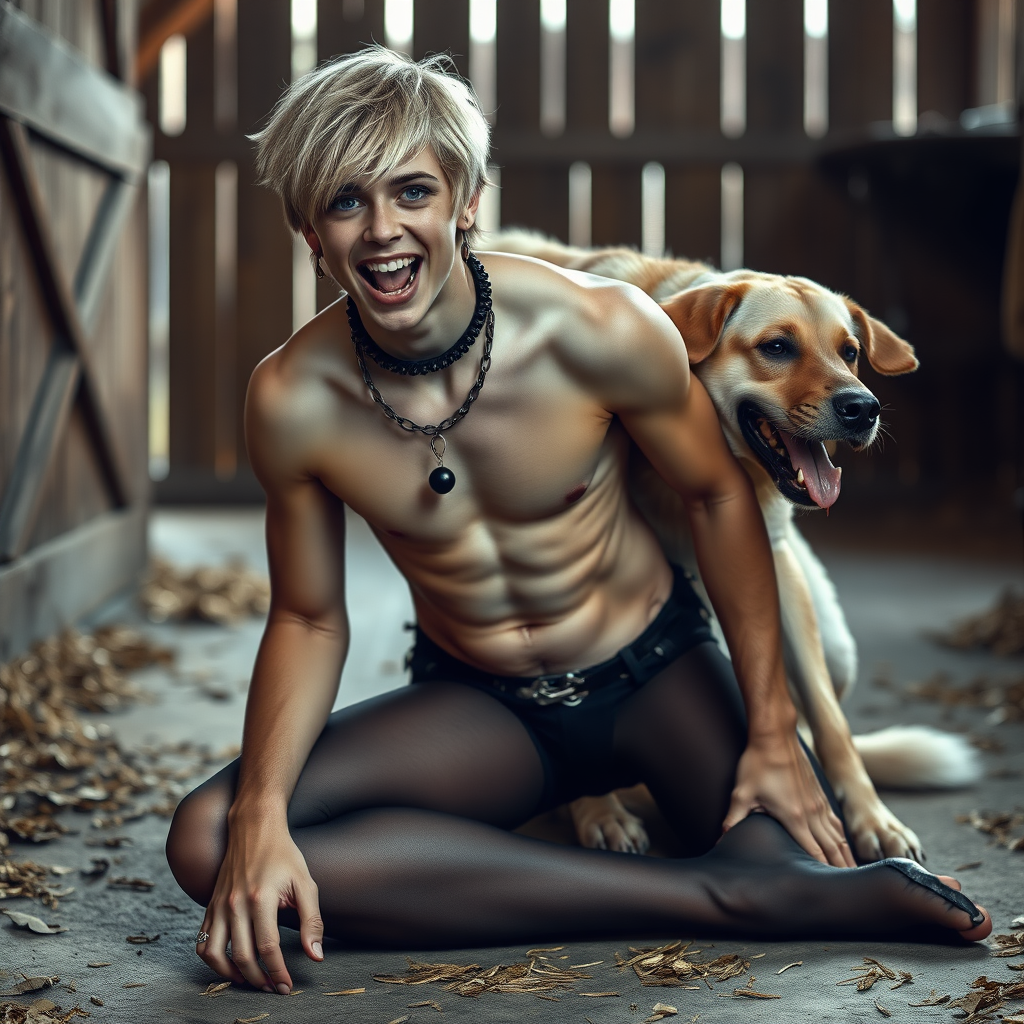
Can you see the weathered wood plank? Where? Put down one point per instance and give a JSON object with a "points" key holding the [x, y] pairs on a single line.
{"points": [[60, 304], [58, 582], [45, 85]]}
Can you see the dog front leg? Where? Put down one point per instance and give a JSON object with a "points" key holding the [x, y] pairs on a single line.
{"points": [[874, 830]]}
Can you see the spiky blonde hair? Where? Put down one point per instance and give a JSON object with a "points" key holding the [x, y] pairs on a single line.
{"points": [[362, 115]]}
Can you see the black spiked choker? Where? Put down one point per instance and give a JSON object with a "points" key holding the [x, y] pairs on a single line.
{"points": [[415, 367]]}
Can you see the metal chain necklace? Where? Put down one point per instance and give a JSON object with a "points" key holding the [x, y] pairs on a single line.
{"points": [[441, 479]]}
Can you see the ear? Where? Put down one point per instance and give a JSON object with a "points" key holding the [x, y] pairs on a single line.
{"points": [[312, 240], [700, 314], [887, 353], [468, 216]]}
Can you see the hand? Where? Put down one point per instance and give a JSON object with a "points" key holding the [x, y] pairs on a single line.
{"points": [[262, 872], [775, 775]]}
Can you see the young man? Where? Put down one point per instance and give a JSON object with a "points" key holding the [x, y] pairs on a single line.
{"points": [[557, 651]]}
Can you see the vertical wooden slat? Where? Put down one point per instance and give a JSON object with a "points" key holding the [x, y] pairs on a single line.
{"points": [[534, 194], [587, 65], [677, 89], [441, 26], [193, 312], [264, 242], [338, 33], [943, 58], [859, 62]]}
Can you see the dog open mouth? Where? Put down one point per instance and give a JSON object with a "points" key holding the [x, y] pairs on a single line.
{"points": [[800, 467], [391, 277]]}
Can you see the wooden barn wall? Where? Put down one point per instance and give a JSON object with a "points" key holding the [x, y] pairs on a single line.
{"points": [[83, 539], [914, 229]]}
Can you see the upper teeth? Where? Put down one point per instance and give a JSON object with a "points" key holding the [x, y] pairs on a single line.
{"points": [[384, 268]]}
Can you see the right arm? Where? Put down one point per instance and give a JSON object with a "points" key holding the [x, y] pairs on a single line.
{"points": [[294, 683]]}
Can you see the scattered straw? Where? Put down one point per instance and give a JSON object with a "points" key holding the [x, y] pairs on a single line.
{"points": [[674, 964], [873, 971], [1000, 629], [220, 595], [998, 824]]}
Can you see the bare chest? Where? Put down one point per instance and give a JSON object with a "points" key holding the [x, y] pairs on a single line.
{"points": [[530, 448]]}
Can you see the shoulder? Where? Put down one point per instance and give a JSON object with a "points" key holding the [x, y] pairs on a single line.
{"points": [[609, 334], [290, 399]]}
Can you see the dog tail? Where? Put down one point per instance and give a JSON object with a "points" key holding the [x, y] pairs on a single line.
{"points": [[918, 757]]}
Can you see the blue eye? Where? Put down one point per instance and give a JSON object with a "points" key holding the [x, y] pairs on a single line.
{"points": [[344, 203], [414, 193]]}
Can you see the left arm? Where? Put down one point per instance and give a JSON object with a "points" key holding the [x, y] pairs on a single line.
{"points": [[669, 415]]}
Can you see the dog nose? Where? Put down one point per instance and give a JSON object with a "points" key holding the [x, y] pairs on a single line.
{"points": [[857, 410]]}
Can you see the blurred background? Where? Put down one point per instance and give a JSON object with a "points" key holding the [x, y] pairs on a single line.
{"points": [[872, 145]]}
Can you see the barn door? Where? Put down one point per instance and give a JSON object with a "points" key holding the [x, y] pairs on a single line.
{"points": [[73, 151]]}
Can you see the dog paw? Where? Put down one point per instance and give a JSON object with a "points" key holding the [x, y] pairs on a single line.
{"points": [[875, 833], [602, 823]]}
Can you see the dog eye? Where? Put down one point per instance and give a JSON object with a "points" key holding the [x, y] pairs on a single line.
{"points": [[775, 347], [850, 353]]}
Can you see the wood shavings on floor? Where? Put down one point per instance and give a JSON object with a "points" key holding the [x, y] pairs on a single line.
{"points": [[1004, 700], [872, 971], [221, 595], [997, 824], [537, 974], [674, 964], [50, 759]]}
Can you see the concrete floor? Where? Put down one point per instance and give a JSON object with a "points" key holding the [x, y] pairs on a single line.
{"points": [[889, 601]]}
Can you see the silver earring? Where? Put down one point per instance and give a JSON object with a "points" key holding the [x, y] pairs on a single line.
{"points": [[465, 249], [317, 269]]}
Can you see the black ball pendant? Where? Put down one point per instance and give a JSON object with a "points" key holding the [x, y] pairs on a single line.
{"points": [[441, 480]]}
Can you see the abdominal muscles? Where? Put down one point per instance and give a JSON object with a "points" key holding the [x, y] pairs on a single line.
{"points": [[526, 599]]}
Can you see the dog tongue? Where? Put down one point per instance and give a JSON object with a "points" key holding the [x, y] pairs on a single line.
{"points": [[821, 478], [392, 280]]}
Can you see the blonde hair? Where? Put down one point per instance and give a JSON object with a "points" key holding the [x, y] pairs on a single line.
{"points": [[359, 117]]}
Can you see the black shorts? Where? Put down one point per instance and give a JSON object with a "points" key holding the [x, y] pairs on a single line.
{"points": [[571, 717]]}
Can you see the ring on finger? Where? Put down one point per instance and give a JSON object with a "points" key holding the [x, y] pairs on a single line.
{"points": [[202, 936]]}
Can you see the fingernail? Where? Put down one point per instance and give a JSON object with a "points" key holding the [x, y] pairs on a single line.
{"points": [[318, 951], [283, 989]]}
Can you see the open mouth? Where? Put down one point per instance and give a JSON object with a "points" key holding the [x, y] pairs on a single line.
{"points": [[391, 279], [800, 467]]}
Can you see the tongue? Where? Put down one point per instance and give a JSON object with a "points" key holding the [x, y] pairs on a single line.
{"points": [[392, 280], [821, 478]]}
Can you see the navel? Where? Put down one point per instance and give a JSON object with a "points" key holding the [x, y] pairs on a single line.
{"points": [[576, 493]]}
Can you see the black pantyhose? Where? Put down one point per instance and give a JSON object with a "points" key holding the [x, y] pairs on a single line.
{"points": [[403, 807]]}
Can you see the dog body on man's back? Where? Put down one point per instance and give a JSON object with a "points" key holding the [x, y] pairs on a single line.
{"points": [[778, 356]]}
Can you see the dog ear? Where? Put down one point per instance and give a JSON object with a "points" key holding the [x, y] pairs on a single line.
{"points": [[700, 314], [887, 353]]}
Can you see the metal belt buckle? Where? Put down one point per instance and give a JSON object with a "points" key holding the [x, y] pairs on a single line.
{"points": [[560, 689]]}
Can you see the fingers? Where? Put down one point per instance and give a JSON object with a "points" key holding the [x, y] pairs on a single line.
{"points": [[832, 841], [311, 925], [268, 949], [243, 949], [213, 952]]}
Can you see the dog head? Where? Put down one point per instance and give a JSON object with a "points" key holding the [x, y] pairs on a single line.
{"points": [[779, 357]]}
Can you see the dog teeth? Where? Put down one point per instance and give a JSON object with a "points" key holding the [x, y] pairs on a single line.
{"points": [[391, 267], [800, 476]]}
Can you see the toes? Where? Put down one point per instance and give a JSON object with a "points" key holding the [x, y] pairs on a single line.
{"points": [[950, 881], [980, 931]]}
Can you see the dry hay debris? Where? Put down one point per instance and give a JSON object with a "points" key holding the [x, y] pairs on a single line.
{"points": [[50, 759], [41, 1011], [223, 595], [985, 999], [997, 824], [674, 964], [537, 974], [1004, 700], [1008, 945], [30, 880], [872, 971], [1000, 629]]}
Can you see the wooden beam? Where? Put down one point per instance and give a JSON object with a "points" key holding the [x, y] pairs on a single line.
{"points": [[70, 340], [63, 579], [111, 38], [49, 414], [161, 19], [45, 85]]}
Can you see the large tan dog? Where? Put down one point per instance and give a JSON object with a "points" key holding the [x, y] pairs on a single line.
{"points": [[779, 358]]}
